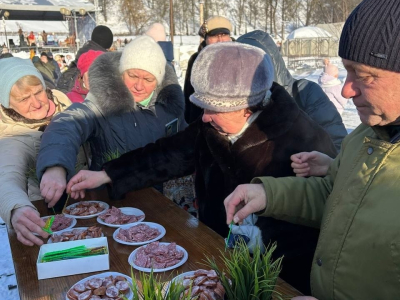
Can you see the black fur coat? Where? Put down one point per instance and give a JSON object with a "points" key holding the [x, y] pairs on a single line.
{"points": [[264, 149]]}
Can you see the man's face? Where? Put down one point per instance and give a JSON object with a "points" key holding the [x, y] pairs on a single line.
{"points": [[218, 38], [375, 93], [44, 59]]}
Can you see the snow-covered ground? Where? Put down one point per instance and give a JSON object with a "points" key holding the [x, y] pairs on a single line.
{"points": [[184, 51]]}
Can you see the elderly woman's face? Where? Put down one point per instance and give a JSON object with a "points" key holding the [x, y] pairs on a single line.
{"points": [[226, 122], [30, 102], [140, 83]]}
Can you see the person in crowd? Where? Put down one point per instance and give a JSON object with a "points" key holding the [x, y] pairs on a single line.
{"points": [[31, 39], [308, 95], [157, 32], [61, 63], [6, 55], [81, 88], [45, 66], [356, 204], [26, 107], [44, 36], [101, 40], [134, 99], [249, 126], [57, 71], [213, 30], [332, 86], [326, 62], [21, 36]]}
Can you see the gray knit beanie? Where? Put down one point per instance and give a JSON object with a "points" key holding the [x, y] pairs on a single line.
{"points": [[11, 70], [371, 35], [144, 53], [231, 76]]}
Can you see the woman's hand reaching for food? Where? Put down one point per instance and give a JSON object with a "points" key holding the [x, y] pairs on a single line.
{"points": [[86, 180]]}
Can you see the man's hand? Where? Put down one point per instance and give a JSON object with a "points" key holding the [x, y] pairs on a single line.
{"points": [[310, 163], [53, 184], [26, 220], [246, 199], [86, 180]]}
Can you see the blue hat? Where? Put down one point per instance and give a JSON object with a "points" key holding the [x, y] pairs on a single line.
{"points": [[11, 70]]}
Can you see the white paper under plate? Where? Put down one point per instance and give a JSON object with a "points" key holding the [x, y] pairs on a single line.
{"points": [[126, 211], [150, 224], [106, 274], [73, 223], [50, 240], [132, 257], [101, 203]]}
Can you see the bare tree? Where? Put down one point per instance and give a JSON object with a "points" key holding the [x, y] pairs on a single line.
{"points": [[135, 15]]}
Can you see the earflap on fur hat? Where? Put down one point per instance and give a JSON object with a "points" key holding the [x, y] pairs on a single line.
{"points": [[145, 54]]}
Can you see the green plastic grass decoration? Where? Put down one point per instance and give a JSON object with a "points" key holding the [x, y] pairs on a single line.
{"points": [[151, 288], [248, 277]]}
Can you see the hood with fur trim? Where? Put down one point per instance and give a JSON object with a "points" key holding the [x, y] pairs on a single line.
{"points": [[110, 94]]}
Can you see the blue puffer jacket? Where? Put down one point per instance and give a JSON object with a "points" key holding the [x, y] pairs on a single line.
{"points": [[109, 119], [308, 95]]}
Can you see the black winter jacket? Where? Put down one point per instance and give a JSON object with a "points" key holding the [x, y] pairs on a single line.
{"points": [[109, 119], [308, 95]]}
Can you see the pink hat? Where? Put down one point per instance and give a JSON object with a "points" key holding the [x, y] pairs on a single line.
{"points": [[86, 60]]}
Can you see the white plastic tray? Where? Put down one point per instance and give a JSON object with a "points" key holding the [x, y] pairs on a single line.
{"points": [[150, 224], [50, 240], [106, 274], [73, 223], [132, 257], [127, 211], [103, 204]]}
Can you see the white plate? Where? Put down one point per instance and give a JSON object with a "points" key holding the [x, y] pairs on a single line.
{"points": [[50, 240], [106, 274], [73, 223], [150, 224], [132, 257], [103, 204], [178, 279], [127, 211]]}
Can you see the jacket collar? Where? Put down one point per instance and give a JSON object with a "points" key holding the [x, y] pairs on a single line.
{"points": [[276, 118]]}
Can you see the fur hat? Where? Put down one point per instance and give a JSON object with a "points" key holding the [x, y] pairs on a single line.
{"points": [[231, 76], [11, 70], [215, 25], [145, 54], [103, 36], [371, 35], [86, 59], [157, 32]]}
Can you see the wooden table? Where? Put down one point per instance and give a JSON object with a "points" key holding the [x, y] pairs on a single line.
{"points": [[181, 227]]}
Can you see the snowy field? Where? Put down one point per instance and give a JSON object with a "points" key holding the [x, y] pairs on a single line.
{"points": [[183, 53]]}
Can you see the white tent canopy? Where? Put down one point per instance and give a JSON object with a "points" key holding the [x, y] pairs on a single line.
{"points": [[308, 32], [41, 9]]}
